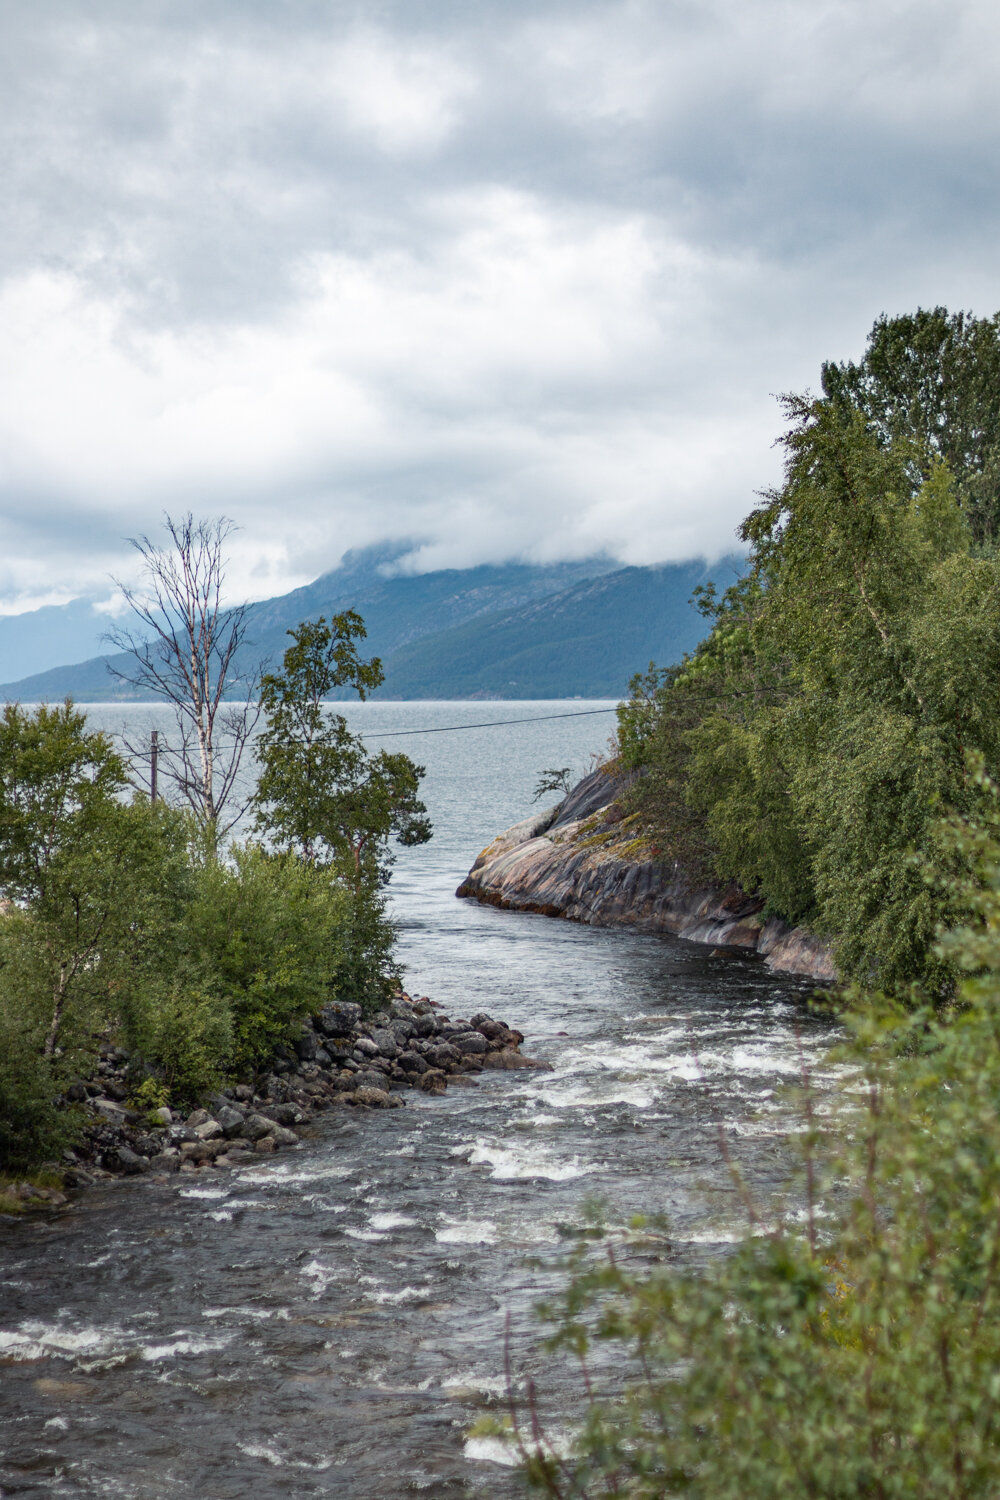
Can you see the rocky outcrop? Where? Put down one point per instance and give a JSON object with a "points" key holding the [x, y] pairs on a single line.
{"points": [[581, 860], [341, 1057]]}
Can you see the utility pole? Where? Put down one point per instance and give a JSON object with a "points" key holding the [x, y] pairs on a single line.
{"points": [[154, 753]]}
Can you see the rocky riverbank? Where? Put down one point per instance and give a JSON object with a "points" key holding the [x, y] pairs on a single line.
{"points": [[581, 860], [341, 1059]]}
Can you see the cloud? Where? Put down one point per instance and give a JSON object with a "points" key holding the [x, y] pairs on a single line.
{"points": [[513, 279]]}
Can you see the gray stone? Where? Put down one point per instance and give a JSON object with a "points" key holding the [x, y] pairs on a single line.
{"points": [[198, 1117], [470, 1043], [443, 1055], [282, 1137], [339, 1018], [230, 1120], [122, 1159], [255, 1127], [369, 1078], [306, 1047], [165, 1161], [284, 1114], [507, 1061], [411, 1062], [376, 1098], [108, 1109], [209, 1131], [364, 1048]]}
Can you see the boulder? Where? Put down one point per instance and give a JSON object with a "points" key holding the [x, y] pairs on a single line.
{"points": [[122, 1159], [508, 1061], [338, 1018], [230, 1121], [470, 1043], [385, 1043], [411, 1062], [306, 1047], [376, 1098], [165, 1161], [369, 1078]]}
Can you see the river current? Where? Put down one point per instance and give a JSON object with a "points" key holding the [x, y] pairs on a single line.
{"points": [[332, 1321]]}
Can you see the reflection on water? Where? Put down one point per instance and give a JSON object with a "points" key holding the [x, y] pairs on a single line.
{"points": [[331, 1323]]}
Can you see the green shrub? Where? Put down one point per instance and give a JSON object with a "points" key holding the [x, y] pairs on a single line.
{"points": [[187, 1037], [266, 933], [855, 1355]]}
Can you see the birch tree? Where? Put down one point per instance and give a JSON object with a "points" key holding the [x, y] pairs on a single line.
{"points": [[188, 650]]}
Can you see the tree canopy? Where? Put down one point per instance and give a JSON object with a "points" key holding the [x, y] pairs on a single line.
{"points": [[810, 747]]}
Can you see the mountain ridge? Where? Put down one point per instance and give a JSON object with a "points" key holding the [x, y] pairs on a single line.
{"points": [[495, 631]]}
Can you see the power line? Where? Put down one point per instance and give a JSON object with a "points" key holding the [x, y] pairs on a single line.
{"points": [[582, 713], [388, 734]]}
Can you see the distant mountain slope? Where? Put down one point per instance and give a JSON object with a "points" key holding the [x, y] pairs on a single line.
{"points": [[587, 640], [402, 608], [32, 642], [515, 630]]}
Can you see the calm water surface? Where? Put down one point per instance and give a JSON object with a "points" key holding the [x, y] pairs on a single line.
{"points": [[331, 1322]]}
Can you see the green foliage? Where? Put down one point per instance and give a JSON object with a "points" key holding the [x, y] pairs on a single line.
{"points": [[809, 747], [323, 797], [185, 1033], [120, 925], [267, 932], [89, 880], [930, 382], [855, 1354], [554, 779]]}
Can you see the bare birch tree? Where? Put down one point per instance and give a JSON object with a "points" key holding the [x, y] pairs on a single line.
{"points": [[184, 645]]}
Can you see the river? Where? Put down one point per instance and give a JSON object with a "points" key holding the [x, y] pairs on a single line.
{"points": [[332, 1321]]}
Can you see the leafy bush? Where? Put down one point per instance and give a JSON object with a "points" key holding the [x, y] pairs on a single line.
{"points": [[857, 1355], [187, 1037], [266, 933]]}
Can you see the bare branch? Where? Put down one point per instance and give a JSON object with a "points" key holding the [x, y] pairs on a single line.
{"points": [[185, 648]]}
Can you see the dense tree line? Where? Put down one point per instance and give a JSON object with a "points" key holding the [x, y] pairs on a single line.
{"points": [[125, 922], [834, 745], [811, 746]]}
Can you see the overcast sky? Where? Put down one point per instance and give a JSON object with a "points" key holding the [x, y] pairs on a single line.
{"points": [[508, 278]]}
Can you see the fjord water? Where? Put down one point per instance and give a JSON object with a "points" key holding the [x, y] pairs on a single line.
{"points": [[332, 1321]]}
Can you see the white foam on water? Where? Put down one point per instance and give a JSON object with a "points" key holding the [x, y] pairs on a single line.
{"points": [[212, 1192], [277, 1461], [285, 1176], [59, 1423], [319, 1275], [598, 1093], [267, 1455], [405, 1294], [466, 1232], [42, 1341], [370, 1236], [391, 1221], [221, 1216], [521, 1161], [184, 1343], [238, 1312], [492, 1450], [471, 1380]]}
